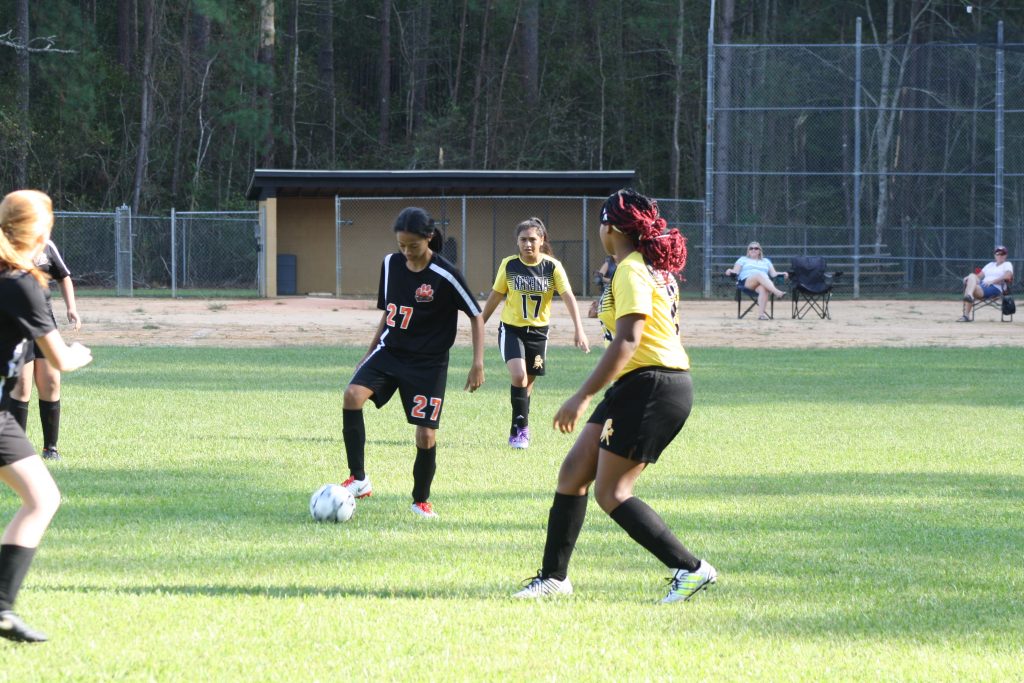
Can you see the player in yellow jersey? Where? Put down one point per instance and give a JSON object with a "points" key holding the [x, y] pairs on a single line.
{"points": [[527, 282], [643, 410]]}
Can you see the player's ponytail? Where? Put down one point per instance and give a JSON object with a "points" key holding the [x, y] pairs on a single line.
{"points": [[25, 216], [538, 225], [417, 221], [637, 217]]}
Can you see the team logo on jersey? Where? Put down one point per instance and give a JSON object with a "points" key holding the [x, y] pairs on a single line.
{"points": [[607, 431], [538, 362], [424, 293]]}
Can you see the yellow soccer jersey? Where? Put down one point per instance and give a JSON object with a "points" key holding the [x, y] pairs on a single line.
{"points": [[637, 288], [528, 289]]}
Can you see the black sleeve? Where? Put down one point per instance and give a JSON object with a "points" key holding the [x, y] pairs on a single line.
{"points": [[58, 269], [381, 294], [29, 310], [463, 296]]}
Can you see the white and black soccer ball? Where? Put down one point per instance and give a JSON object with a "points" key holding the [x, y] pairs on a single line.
{"points": [[332, 503]]}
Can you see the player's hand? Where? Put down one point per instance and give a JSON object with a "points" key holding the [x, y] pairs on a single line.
{"points": [[75, 321], [475, 378], [78, 356], [570, 413], [582, 342]]}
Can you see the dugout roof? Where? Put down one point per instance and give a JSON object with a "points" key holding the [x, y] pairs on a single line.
{"points": [[266, 183]]}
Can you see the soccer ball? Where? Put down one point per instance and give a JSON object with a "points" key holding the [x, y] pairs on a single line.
{"points": [[332, 503]]}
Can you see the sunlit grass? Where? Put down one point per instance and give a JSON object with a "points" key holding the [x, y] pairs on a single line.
{"points": [[863, 508]]}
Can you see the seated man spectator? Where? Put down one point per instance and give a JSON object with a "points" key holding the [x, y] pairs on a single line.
{"points": [[989, 282]]}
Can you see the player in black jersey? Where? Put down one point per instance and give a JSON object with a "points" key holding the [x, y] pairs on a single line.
{"points": [[26, 218], [421, 295], [526, 283], [36, 367], [641, 412]]}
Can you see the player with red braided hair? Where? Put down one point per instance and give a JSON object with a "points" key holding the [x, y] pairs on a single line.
{"points": [[642, 411]]}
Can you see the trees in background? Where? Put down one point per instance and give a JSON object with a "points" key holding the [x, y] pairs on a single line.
{"points": [[161, 102]]}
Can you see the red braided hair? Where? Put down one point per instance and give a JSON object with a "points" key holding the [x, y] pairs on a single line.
{"points": [[637, 217]]}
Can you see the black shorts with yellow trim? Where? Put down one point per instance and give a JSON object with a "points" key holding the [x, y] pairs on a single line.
{"points": [[420, 383], [643, 411], [14, 445], [528, 343]]}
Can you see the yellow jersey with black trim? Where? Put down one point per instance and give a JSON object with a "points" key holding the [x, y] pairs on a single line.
{"points": [[528, 289], [638, 288]]}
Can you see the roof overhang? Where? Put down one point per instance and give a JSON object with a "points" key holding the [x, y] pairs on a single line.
{"points": [[267, 183]]}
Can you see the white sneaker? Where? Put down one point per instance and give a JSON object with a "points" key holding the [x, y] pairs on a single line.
{"points": [[424, 510], [684, 584], [539, 587], [360, 488]]}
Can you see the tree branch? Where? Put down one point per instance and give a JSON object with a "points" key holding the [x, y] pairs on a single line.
{"points": [[34, 45]]}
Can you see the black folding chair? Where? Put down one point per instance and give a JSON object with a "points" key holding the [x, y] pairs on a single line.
{"points": [[749, 297], [811, 286], [995, 302]]}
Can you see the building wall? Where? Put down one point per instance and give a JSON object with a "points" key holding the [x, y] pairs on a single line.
{"points": [[305, 227]]}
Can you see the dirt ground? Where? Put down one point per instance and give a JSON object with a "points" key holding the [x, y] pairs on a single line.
{"points": [[302, 321]]}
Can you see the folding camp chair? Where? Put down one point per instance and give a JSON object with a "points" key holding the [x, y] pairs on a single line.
{"points": [[995, 302], [749, 297], [811, 286]]}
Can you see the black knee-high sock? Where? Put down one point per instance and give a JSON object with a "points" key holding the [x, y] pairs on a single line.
{"points": [[14, 564], [354, 432], [423, 473], [520, 407], [49, 415], [649, 530], [565, 520], [19, 409]]}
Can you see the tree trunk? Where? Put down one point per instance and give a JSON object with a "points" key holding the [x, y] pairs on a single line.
{"points": [[125, 28], [146, 109], [492, 151], [463, 26], [24, 90], [722, 95], [295, 84], [419, 46], [478, 84], [384, 80], [325, 72], [531, 52], [265, 89], [677, 109], [184, 87]]}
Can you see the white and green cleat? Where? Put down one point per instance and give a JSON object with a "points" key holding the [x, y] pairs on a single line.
{"points": [[539, 587], [685, 584]]}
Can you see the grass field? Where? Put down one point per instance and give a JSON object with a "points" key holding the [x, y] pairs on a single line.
{"points": [[863, 508]]}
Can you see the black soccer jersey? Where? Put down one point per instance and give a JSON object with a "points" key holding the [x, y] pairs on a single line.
{"points": [[23, 316], [50, 262], [422, 308]]}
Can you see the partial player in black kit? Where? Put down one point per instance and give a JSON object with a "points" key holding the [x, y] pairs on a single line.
{"points": [[421, 295], [26, 217], [37, 368]]}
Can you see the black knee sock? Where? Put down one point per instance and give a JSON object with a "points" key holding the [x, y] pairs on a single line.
{"points": [[14, 564], [19, 409], [564, 523], [520, 407], [423, 473], [49, 415], [649, 530], [354, 432]]}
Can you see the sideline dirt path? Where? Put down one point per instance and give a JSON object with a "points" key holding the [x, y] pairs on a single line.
{"points": [[304, 321]]}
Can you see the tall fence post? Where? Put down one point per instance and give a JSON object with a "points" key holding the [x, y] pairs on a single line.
{"points": [[174, 257], [463, 261], [123, 250], [586, 252], [337, 246], [857, 78], [709, 156], [1000, 131]]}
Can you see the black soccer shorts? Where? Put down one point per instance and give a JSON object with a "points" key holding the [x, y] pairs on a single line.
{"points": [[643, 411], [528, 343], [420, 383], [14, 445]]}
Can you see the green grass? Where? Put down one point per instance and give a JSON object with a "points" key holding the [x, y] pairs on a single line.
{"points": [[863, 508]]}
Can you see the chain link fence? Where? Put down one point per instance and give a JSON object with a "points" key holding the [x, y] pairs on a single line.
{"points": [[901, 164]]}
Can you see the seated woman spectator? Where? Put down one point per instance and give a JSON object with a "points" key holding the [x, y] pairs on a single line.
{"points": [[990, 281], [756, 273]]}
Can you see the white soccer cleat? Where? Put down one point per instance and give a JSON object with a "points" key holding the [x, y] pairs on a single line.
{"points": [[424, 510], [684, 584], [539, 587], [360, 488]]}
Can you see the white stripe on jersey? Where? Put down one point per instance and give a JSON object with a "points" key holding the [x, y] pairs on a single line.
{"points": [[57, 257], [387, 264], [470, 301]]}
